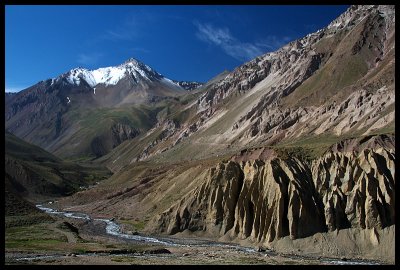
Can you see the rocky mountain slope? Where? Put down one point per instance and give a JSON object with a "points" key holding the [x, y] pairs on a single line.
{"points": [[341, 77], [334, 76]]}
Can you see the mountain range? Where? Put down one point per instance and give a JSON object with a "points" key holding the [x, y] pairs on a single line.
{"points": [[88, 109], [293, 143]]}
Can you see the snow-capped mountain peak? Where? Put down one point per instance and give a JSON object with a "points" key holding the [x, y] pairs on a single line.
{"points": [[112, 75], [132, 69]]}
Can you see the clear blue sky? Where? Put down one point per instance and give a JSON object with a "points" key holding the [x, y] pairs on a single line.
{"points": [[192, 43]]}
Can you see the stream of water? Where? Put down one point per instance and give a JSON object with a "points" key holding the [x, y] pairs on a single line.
{"points": [[112, 228]]}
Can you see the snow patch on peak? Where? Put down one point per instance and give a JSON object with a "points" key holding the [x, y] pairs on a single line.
{"points": [[112, 75], [76, 74], [108, 75]]}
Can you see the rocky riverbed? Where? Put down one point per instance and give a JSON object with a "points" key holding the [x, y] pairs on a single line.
{"points": [[165, 250]]}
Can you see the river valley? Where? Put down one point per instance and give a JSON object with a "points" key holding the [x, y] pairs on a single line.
{"points": [[160, 250]]}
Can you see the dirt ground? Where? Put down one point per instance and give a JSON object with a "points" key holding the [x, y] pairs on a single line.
{"points": [[178, 256]]}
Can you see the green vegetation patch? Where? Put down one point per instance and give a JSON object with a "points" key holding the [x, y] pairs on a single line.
{"points": [[309, 147], [34, 237], [27, 220], [297, 152]]}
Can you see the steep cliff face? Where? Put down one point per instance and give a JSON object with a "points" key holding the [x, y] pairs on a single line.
{"points": [[357, 186], [351, 186]]}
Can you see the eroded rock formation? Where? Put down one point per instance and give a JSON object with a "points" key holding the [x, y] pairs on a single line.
{"points": [[351, 186]]}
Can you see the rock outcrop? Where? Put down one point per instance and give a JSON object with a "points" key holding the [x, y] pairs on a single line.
{"points": [[357, 184], [351, 186], [121, 132], [360, 110], [118, 133]]}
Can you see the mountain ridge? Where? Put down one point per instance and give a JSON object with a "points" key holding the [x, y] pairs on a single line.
{"points": [[271, 99], [82, 91], [111, 75]]}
